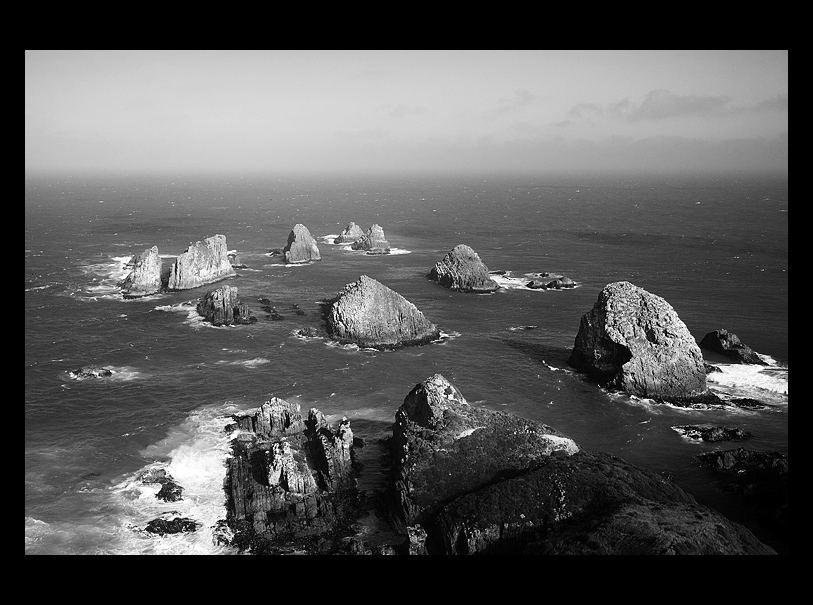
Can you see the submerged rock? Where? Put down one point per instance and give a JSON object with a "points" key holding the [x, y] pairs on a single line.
{"points": [[635, 342], [728, 344], [144, 278], [170, 490], [350, 234], [289, 479], [473, 481], [202, 263], [91, 372], [223, 307], [301, 247], [559, 283], [370, 314], [712, 434], [176, 525], [373, 242], [462, 270]]}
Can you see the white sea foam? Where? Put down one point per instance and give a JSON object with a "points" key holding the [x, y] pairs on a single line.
{"points": [[247, 363], [764, 383]]}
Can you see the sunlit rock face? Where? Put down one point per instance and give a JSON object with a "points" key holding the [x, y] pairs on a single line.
{"points": [[144, 277], [635, 342], [370, 314], [301, 247], [202, 263], [462, 270]]}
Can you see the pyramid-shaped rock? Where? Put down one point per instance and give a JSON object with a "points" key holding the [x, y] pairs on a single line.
{"points": [[461, 269], [301, 247]]}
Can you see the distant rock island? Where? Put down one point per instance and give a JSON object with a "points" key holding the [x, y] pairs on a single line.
{"points": [[202, 263], [370, 314], [462, 270], [222, 307], [350, 234], [728, 344], [372, 242], [635, 342], [301, 247]]}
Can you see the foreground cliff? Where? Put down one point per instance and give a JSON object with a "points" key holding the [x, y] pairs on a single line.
{"points": [[635, 342], [203, 262], [462, 270], [370, 314], [473, 481], [290, 481]]}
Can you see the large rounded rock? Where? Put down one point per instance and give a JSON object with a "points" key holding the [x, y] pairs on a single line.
{"points": [[301, 247], [144, 277], [370, 314], [461, 269], [635, 342], [202, 263]]}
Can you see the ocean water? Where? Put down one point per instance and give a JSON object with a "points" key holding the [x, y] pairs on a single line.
{"points": [[714, 246]]}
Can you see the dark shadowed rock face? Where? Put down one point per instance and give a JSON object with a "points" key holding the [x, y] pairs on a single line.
{"points": [[636, 342], [369, 314], [145, 277], [728, 344], [289, 478], [301, 247], [373, 242], [223, 307], [461, 269], [473, 481], [350, 234], [202, 263]]}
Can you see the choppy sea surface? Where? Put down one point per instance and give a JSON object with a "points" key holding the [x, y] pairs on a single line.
{"points": [[714, 246]]}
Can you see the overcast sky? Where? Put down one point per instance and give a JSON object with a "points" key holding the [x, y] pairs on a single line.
{"points": [[391, 110]]}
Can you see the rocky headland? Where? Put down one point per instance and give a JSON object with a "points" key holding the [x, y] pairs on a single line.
{"points": [[372, 242], [369, 314], [728, 344], [203, 262], [350, 234], [222, 307], [301, 247], [290, 480], [144, 278], [634, 341], [462, 270]]}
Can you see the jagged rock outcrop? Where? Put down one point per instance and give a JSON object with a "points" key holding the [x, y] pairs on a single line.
{"points": [[175, 525], [288, 478], [635, 342], [235, 261], [728, 344], [170, 490], [373, 242], [222, 307], [557, 283], [760, 479], [203, 262], [370, 314], [350, 234], [144, 278], [462, 270], [301, 247], [711, 433], [474, 481]]}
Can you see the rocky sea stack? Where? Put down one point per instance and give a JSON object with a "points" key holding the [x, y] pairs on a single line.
{"points": [[635, 342], [728, 344], [222, 307], [144, 278], [290, 481], [301, 247], [373, 242], [203, 262], [475, 481], [370, 314], [350, 234], [461, 269]]}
